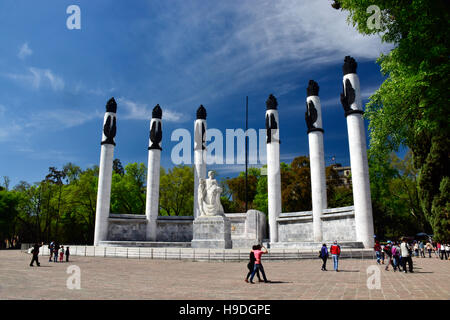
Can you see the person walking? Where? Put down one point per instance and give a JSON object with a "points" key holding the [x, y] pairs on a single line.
{"points": [[396, 256], [436, 250], [324, 256], [67, 254], [50, 248], [406, 256], [447, 249], [61, 254], [55, 252], [416, 249], [258, 265], [251, 265], [422, 249], [335, 251], [35, 252], [429, 247], [388, 251], [443, 252], [377, 248]]}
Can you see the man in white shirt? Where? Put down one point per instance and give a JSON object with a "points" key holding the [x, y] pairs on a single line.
{"points": [[406, 256]]}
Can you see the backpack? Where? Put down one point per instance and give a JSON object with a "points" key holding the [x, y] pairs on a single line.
{"points": [[394, 251]]}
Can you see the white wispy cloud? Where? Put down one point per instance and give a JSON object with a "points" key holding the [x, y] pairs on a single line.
{"points": [[24, 51], [237, 44], [139, 111], [61, 118], [366, 93], [36, 78], [14, 127]]}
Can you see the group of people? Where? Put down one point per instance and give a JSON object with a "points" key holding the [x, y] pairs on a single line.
{"points": [[255, 266], [55, 249], [55, 252], [335, 251], [399, 254]]}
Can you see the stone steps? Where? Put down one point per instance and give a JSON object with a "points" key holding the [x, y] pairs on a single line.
{"points": [[147, 244]]}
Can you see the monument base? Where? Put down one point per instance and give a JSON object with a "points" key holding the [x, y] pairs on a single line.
{"points": [[212, 232]]}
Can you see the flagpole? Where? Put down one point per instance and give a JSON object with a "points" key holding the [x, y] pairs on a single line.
{"points": [[246, 154]]}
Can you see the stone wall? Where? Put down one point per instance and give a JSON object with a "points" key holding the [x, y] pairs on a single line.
{"points": [[129, 227], [337, 224], [246, 229], [174, 229]]}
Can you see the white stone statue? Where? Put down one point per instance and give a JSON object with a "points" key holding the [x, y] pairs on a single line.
{"points": [[209, 196]]}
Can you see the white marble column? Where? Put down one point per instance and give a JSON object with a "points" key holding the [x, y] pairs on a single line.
{"points": [[273, 166], [153, 173], [105, 173], [351, 101], [313, 117], [199, 153]]}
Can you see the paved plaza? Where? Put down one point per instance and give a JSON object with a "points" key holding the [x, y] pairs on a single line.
{"points": [[120, 278]]}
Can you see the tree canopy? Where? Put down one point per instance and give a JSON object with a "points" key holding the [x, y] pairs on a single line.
{"points": [[410, 109]]}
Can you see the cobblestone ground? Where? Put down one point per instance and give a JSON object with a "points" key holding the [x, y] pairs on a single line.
{"points": [[120, 278]]}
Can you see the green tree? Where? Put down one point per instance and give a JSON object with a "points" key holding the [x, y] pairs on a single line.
{"points": [[176, 191], [79, 218], [128, 190], [237, 189], [8, 213], [260, 202], [411, 106]]}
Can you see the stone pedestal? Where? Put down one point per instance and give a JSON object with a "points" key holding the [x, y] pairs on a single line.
{"points": [[213, 232]]}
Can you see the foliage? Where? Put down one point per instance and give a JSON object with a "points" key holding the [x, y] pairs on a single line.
{"points": [[177, 191], [411, 106], [128, 189], [8, 213]]}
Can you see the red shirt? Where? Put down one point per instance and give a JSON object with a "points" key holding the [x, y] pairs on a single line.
{"points": [[335, 249], [258, 254], [377, 247]]}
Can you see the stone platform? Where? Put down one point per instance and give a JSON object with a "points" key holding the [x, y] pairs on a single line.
{"points": [[212, 232], [315, 245], [146, 244]]}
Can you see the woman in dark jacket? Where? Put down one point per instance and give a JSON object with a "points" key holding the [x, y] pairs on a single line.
{"points": [[324, 256], [251, 266]]}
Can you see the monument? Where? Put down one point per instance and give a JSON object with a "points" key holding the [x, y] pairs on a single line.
{"points": [[352, 104], [273, 166], [211, 229], [313, 117], [153, 170], [199, 152], [105, 172]]}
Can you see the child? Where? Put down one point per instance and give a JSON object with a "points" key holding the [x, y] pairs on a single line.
{"points": [[61, 254]]}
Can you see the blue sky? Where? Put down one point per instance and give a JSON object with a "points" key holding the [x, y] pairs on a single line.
{"points": [[55, 82]]}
